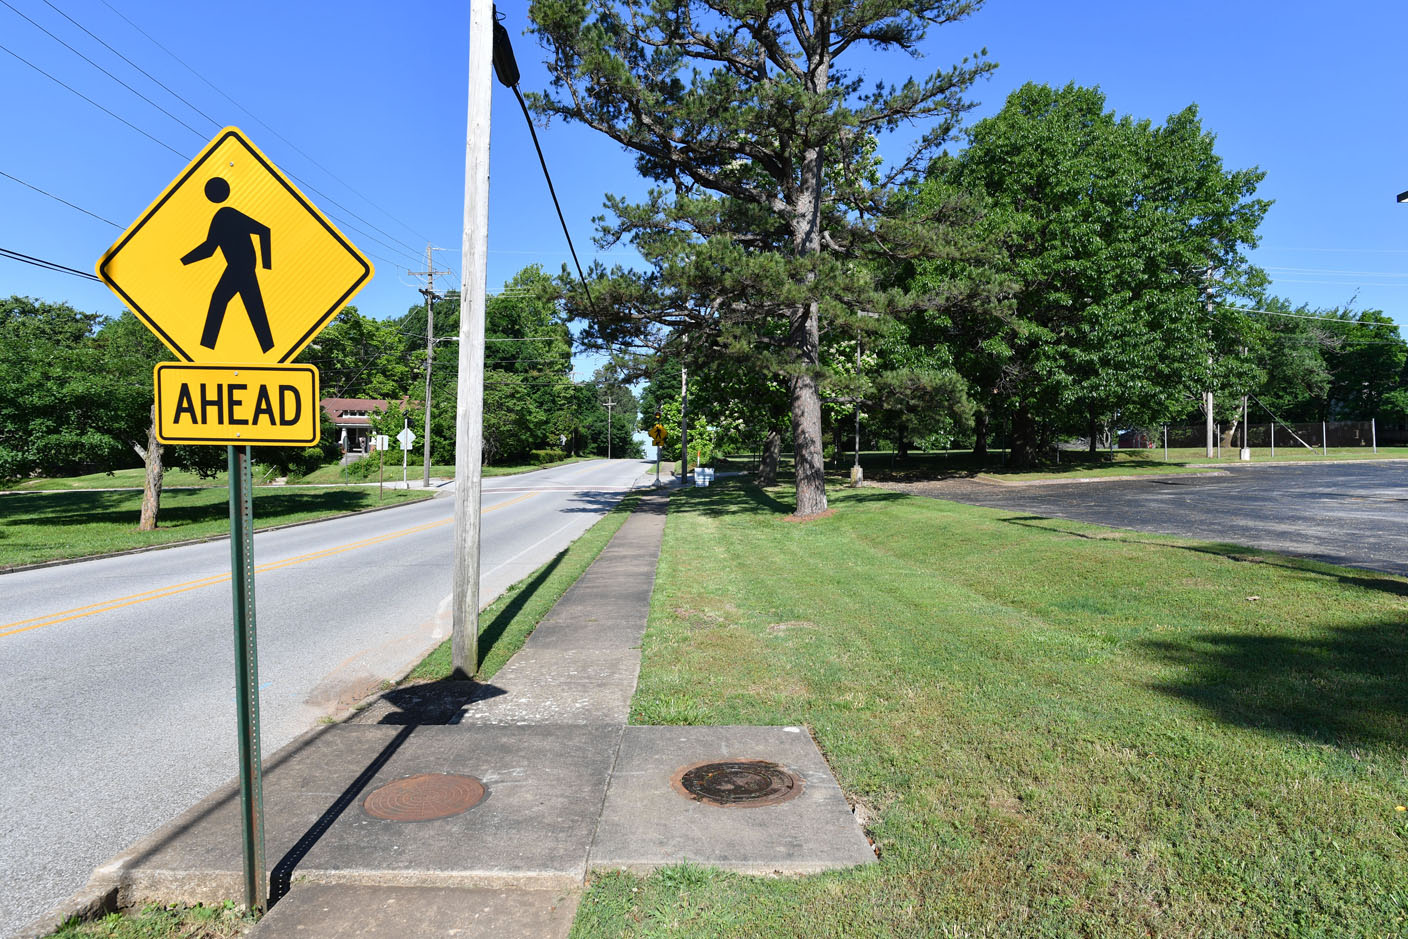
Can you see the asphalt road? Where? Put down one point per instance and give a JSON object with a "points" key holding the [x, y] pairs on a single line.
{"points": [[1354, 514], [117, 675]]}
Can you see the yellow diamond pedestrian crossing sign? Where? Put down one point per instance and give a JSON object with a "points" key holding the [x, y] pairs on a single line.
{"points": [[231, 263]]}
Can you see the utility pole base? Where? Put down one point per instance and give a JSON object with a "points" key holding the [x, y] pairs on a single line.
{"points": [[1245, 455], [857, 476]]}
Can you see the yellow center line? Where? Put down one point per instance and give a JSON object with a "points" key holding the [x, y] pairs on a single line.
{"points": [[25, 625]]}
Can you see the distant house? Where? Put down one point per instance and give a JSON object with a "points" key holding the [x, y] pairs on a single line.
{"points": [[352, 418]]}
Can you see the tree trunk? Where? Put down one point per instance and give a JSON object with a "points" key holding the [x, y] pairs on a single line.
{"points": [[980, 433], [1023, 438], [903, 443], [1094, 434], [772, 454], [806, 416], [151, 489]]}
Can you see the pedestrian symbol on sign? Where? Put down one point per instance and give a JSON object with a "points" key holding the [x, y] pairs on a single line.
{"points": [[231, 231]]}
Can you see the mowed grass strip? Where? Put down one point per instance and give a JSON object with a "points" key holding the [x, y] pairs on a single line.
{"points": [[1049, 728], [44, 526], [507, 622]]}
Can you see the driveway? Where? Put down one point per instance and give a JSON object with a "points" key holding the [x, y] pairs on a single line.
{"points": [[1354, 514]]}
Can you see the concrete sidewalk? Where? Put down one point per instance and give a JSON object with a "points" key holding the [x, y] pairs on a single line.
{"points": [[372, 829]]}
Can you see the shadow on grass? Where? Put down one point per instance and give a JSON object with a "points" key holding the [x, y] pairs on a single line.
{"points": [[494, 631], [1346, 689], [75, 507], [722, 498]]}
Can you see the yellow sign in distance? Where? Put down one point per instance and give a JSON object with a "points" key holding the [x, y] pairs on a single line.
{"points": [[237, 404], [232, 263], [658, 434]]}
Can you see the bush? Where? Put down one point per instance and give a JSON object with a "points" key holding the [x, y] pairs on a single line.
{"points": [[540, 457]]}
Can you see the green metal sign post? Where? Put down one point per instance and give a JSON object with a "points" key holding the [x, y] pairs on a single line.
{"points": [[247, 677]]}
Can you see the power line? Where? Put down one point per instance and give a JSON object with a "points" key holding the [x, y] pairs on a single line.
{"points": [[1332, 283], [57, 199], [506, 68], [100, 68], [1322, 270], [46, 265], [95, 104], [139, 130], [1307, 316], [124, 58], [271, 130]]}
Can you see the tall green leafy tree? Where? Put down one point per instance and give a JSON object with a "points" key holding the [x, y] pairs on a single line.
{"points": [[746, 114], [1111, 227], [61, 407]]}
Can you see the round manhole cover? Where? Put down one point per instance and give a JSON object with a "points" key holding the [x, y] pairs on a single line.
{"points": [[424, 797], [747, 783]]}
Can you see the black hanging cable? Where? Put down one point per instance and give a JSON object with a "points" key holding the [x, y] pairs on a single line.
{"points": [[46, 265], [506, 68]]}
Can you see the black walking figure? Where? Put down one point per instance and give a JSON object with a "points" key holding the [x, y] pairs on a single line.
{"points": [[230, 231]]}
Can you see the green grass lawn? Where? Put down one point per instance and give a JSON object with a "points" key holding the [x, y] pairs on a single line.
{"points": [[1049, 728], [46, 526]]}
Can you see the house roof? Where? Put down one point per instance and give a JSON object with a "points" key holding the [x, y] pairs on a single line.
{"points": [[352, 412]]}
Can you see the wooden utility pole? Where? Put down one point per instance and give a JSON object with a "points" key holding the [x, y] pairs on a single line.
{"points": [[608, 404], [469, 410], [684, 421], [1207, 395], [430, 298]]}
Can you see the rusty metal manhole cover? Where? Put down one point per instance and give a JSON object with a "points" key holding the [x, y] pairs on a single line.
{"points": [[743, 783], [424, 797]]}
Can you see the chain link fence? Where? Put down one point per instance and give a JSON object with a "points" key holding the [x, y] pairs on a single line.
{"points": [[1270, 435]]}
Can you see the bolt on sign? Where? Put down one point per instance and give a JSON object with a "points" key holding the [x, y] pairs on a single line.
{"points": [[232, 265]]}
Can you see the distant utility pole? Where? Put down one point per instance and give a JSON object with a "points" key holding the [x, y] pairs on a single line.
{"points": [[608, 404], [1207, 395], [469, 408], [430, 298], [684, 419]]}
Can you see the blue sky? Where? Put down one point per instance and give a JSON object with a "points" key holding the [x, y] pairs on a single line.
{"points": [[373, 95]]}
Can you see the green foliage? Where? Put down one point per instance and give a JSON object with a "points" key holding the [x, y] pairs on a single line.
{"points": [[1110, 227], [773, 199], [66, 404]]}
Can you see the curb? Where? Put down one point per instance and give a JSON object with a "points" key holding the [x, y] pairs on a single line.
{"points": [[60, 562], [91, 902]]}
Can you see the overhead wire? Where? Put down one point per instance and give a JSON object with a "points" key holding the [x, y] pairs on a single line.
{"points": [[85, 58], [124, 58], [405, 248], [271, 130], [46, 265], [506, 69], [156, 140], [59, 199]]}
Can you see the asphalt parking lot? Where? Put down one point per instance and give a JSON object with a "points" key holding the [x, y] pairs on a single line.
{"points": [[1354, 514]]}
